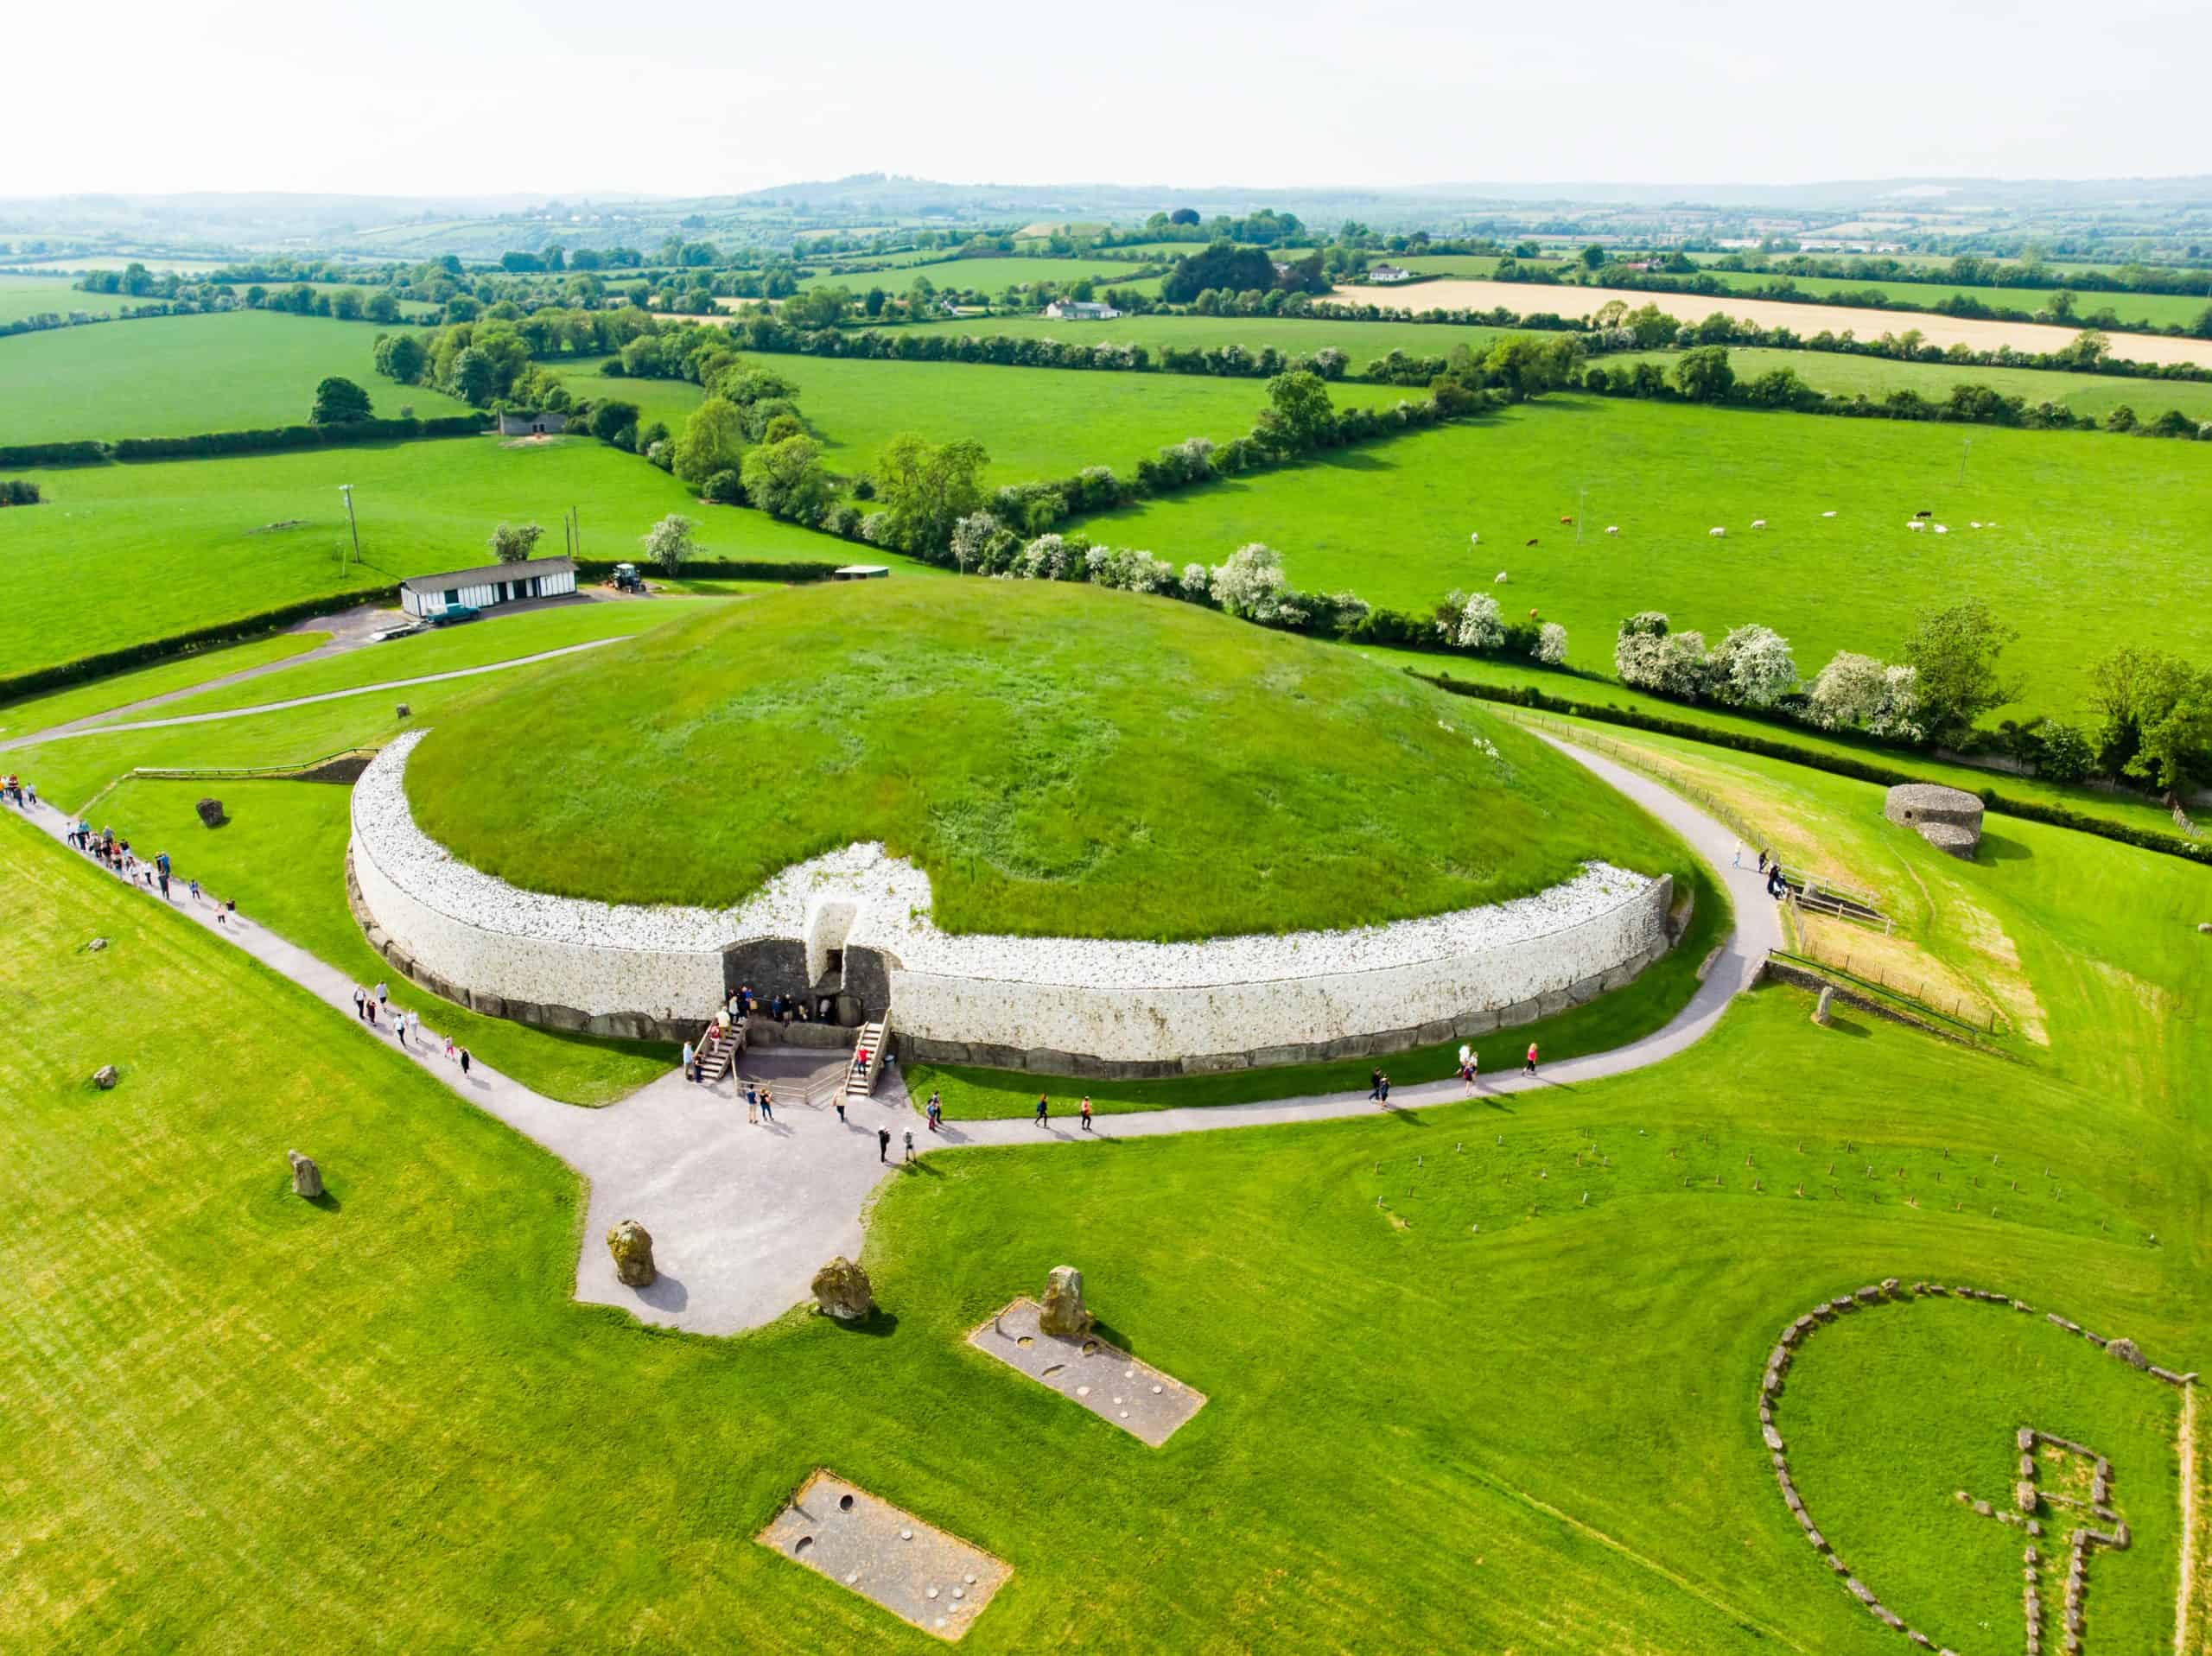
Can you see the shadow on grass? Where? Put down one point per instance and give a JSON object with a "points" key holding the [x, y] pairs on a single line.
{"points": [[327, 1202], [877, 1324], [1856, 1031], [2001, 848]]}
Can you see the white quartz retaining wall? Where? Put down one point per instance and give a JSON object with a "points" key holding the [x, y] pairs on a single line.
{"points": [[1060, 1003]]}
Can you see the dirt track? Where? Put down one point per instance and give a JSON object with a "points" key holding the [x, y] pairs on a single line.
{"points": [[1524, 297]]}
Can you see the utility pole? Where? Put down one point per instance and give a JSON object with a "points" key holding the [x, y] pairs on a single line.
{"points": [[347, 489], [1581, 505], [1965, 445]]}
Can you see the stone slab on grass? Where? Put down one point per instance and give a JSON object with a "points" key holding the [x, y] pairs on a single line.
{"points": [[891, 1557], [1142, 1400]]}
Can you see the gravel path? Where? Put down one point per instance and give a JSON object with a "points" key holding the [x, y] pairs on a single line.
{"points": [[88, 727], [742, 1215]]}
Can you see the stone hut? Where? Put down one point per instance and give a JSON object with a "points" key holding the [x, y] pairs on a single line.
{"points": [[1948, 818]]}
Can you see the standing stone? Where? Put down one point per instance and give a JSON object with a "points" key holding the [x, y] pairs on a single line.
{"points": [[104, 1077], [2024, 1495], [211, 812], [307, 1177], [1065, 1313], [1821, 1011], [632, 1245], [97, 944], [843, 1291], [2128, 1352], [405, 711]]}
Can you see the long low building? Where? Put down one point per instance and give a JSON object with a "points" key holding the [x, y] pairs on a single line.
{"points": [[487, 586]]}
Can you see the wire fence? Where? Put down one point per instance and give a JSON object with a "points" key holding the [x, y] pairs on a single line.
{"points": [[1948, 1005], [1819, 895]]}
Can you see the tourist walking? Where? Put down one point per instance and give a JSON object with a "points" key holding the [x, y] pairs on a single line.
{"points": [[453, 1052], [883, 1144], [690, 1068], [752, 1102], [935, 1112], [840, 1109], [1736, 857], [464, 1061], [1042, 1112], [909, 1144], [1373, 1085], [1529, 1069], [193, 886], [767, 1103], [1383, 1087], [360, 1003], [1086, 1112], [1470, 1063], [382, 999]]}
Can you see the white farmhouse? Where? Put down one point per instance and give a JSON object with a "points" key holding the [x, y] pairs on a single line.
{"points": [[1080, 310], [487, 586]]}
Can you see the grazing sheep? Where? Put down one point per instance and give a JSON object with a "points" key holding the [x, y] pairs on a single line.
{"points": [[1474, 540], [1612, 529], [1500, 581], [1827, 514], [1974, 523], [1531, 541], [1923, 512], [1758, 523], [1914, 523], [1940, 529], [1532, 612], [1716, 533]]}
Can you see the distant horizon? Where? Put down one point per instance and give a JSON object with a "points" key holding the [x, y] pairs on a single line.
{"points": [[426, 100]]}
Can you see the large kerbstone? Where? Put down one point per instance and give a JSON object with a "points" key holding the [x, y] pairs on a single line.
{"points": [[105, 1076], [841, 1290], [632, 1245], [1065, 1313], [307, 1177], [211, 812]]}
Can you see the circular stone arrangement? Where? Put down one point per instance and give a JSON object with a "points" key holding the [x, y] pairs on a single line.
{"points": [[1115, 1006], [1948, 818]]}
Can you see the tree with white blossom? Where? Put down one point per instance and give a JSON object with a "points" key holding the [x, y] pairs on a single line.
{"points": [[1479, 625], [1551, 644], [1252, 586], [1752, 667]]}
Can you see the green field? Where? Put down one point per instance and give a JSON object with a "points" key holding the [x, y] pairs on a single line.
{"points": [[176, 376], [1361, 341], [195, 542], [1391, 521], [996, 747], [1839, 375], [86, 701], [992, 276], [1036, 422], [2140, 310], [438, 1365], [22, 296]]}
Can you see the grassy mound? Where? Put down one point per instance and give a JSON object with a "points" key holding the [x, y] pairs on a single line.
{"points": [[1062, 761]]}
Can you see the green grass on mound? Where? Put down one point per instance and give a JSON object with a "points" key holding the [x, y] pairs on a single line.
{"points": [[2095, 532], [1061, 760], [178, 376]]}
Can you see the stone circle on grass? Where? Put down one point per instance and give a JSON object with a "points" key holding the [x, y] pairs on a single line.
{"points": [[921, 1574], [2025, 1499]]}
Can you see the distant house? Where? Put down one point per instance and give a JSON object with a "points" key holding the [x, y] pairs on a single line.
{"points": [[1389, 273], [1080, 310], [522, 423], [487, 586]]}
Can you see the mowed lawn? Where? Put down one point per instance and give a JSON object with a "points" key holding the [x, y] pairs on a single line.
{"points": [[1561, 1401], [1875, 378], [121, 553], [2095, 534], [177, 376]]}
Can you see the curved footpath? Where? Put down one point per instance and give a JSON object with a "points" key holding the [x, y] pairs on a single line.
{"points": [[742, 1216]]}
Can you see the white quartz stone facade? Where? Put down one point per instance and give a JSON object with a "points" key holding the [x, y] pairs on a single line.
{"points": [[1153, 1007]]}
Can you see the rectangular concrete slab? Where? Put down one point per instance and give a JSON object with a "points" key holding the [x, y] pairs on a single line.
{"points": [[913, 1570], [1141, 1400]]}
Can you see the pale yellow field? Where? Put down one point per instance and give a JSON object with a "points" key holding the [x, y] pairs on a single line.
{"points": [[1456, 294]]}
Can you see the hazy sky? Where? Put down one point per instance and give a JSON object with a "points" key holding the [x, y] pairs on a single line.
{"points": [[681, 97]]}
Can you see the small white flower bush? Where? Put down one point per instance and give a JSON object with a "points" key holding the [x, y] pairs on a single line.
{"points": [[1480, 624], [1551, 644], [1252, 586], [1754, 668]]}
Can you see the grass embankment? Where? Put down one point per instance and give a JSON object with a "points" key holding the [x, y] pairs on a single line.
{"points": [[177, 1326], [1061, 760], [198, 542], [1391, 521], [179, 375]]}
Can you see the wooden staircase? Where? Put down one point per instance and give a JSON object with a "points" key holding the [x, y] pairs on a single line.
{"points": [[717, 1050], [860, 1078]]}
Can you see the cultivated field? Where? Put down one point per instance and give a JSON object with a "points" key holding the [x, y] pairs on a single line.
{"points": [[196, 542], [2134, 310], [1531, 298], [994, 275], [177, 376], [1361, 341], [2075, 571], [22, 296]]}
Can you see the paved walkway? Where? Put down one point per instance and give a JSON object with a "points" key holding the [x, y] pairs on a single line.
{"points": [[88, 728], [742, 1215]]}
